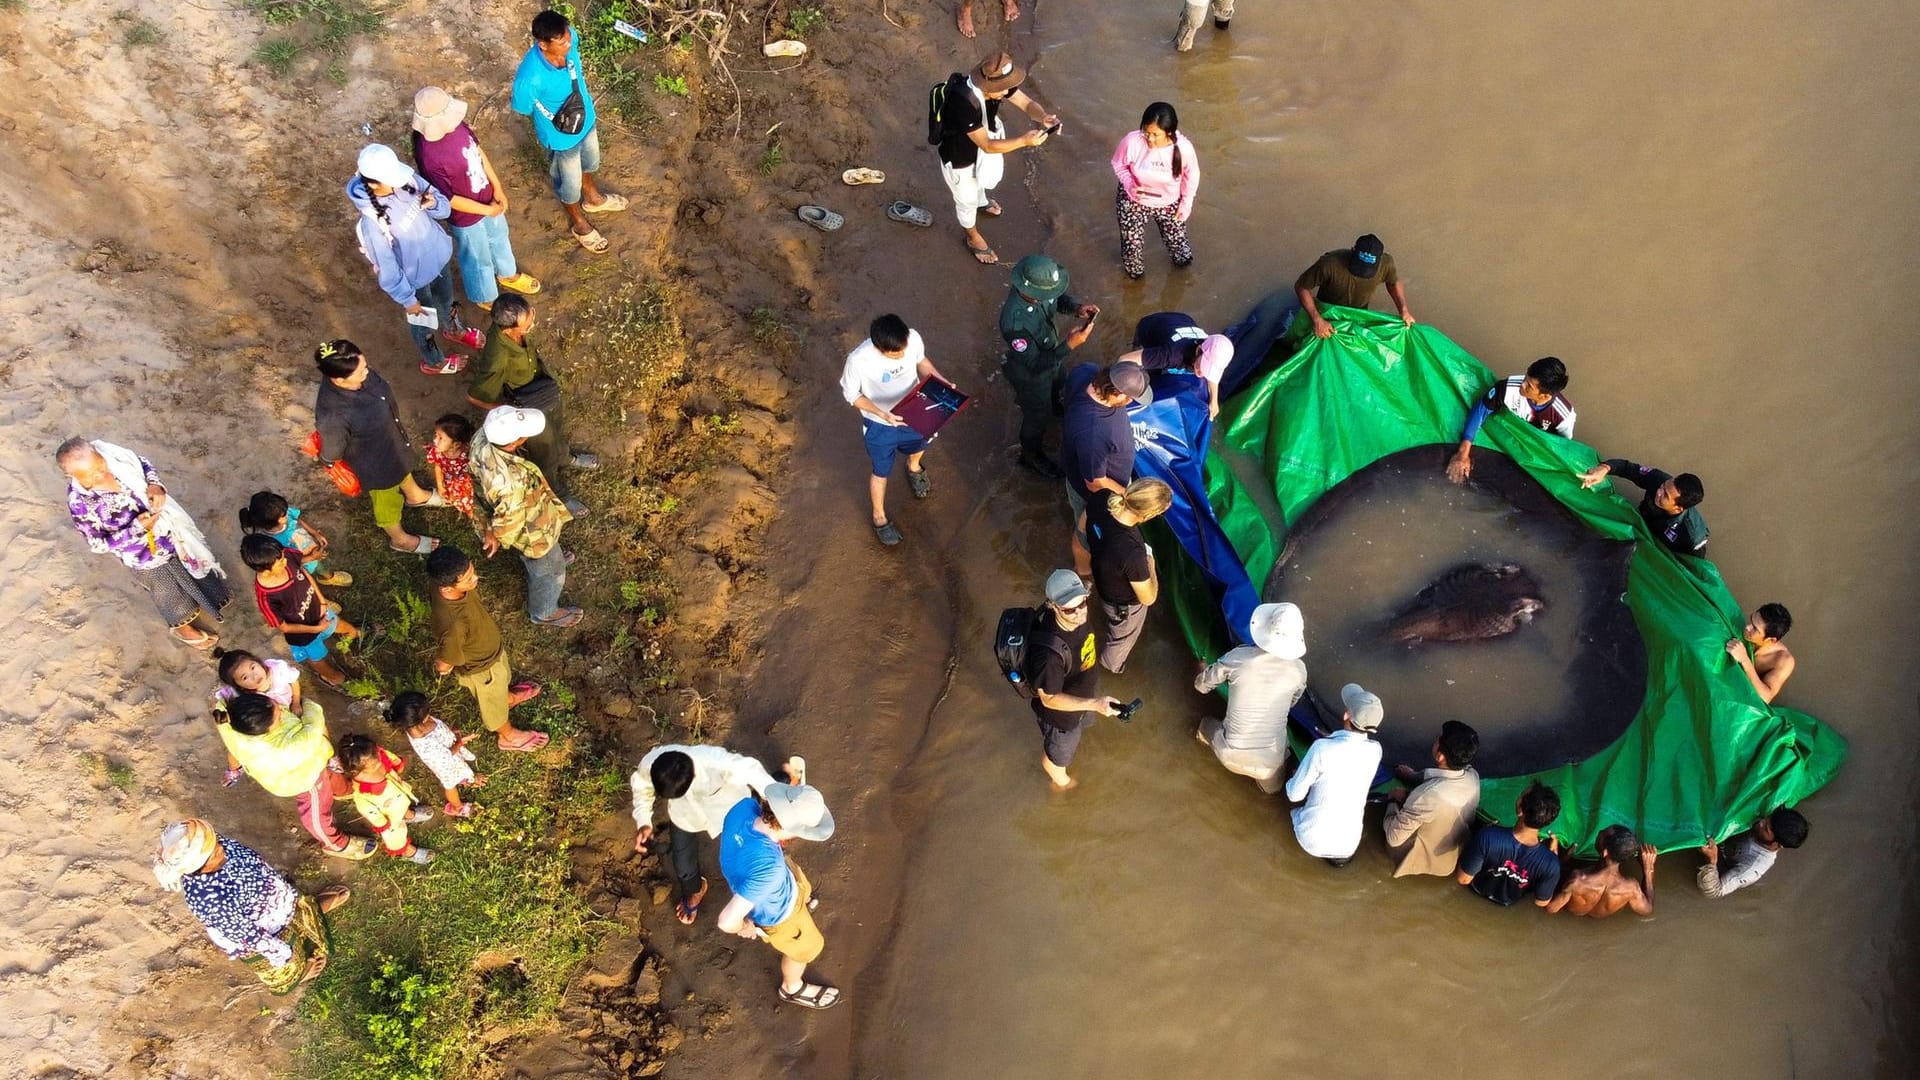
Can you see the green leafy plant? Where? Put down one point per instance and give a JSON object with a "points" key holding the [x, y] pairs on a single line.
{"points": [[805, 20], [671, 84], [139, 32], [773, 158], [278, 56]]}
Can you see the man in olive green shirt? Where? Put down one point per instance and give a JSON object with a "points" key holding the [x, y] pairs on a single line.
{"points": [[467, 646], [1036, 351], [510, 372], [1348, 277]]}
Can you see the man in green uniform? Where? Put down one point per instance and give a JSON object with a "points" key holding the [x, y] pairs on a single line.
{"points": [[1036, 353], [510, 372]]}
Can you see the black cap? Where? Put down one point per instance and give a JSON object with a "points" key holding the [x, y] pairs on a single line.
{"points": [[1365, 259]]}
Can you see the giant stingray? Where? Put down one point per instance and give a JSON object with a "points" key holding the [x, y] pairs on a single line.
{"points": [[1475, 602]]}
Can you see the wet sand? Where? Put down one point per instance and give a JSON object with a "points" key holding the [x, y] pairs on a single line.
{"points": [[1701, 211]]}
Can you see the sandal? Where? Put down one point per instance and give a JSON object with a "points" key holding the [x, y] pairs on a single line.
{"points": [[534, 741], [521, 692], [522, 283], [909, 213], [984, 255], [331, 897], [204, 642], [919, 483], [592, 241], [993, 208], [689, 909], [821, 218], [812, 996], [334, 579], [608, 204], [856, 177], [424, 545], [356, 849], [561, 618], [888, 532], [452, 365], [464, 810]]}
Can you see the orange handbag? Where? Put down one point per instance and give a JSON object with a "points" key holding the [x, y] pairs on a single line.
{"points": [[339, 472]]}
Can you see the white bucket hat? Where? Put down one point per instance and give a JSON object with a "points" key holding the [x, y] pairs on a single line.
{"points": [[1279, 629], [800, 809], [436, 113]]}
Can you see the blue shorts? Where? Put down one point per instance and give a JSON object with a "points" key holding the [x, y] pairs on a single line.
{"points": [[317, 648], [565, 166], [884, 441]]}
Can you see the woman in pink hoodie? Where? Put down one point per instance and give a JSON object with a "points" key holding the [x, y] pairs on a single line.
{"points": [[1159, 174]]}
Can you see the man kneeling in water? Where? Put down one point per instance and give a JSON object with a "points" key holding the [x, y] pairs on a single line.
{"points": [[1770, 665], [1604, 890]]}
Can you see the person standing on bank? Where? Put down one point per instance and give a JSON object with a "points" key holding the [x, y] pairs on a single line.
{"points": [[551, 88], [1267, 677], [516, 509], [511, 372], [1060, 663], [879, 374], [467, 646], [972, 140], [1348, 277], [772, 900], [700, 784], [1124, 574], [1035, 364], [451, 159], [1333, 779], [359, 424], [121, 508], [412, 256], [1159, 175]]}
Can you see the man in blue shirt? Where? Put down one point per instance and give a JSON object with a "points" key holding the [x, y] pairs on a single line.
{"points": [[772, 899], [550, 74], [1503, 865]]}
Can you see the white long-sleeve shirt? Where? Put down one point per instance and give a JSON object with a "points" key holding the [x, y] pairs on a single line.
{"points": [[1743, 861], [721, 778], [1334, 778], [1253, 740]]}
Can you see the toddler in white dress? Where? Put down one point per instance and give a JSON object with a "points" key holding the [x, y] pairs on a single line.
{"points": [[437, 746]]}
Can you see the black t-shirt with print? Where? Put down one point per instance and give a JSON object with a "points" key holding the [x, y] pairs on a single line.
{"points": [[962, 115], [1062, 662], [1505, 870]]}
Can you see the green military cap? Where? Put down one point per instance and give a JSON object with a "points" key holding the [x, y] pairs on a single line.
{"points": [[1039, 277]]}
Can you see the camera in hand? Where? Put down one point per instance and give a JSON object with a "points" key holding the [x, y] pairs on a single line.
{"points": [[1125, 712], [1053, 128]]}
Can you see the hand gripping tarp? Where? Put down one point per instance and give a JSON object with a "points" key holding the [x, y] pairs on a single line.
{"points": [[1703, 757]]}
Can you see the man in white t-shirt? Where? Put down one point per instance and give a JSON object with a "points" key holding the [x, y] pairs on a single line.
{"points": [[879, 375], [1334, 778]]}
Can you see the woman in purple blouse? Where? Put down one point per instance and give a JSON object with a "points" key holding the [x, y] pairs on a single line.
{"points": [[122, 509]]}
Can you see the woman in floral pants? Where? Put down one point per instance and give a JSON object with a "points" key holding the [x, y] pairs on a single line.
{"points": [[1159, 174]]}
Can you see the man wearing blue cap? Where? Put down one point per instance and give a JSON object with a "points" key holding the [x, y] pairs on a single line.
{"points": [[1349, 277]]}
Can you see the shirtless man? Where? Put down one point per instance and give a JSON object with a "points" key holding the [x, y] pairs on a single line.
{"points": [[1770, 663], [1604, 890]]}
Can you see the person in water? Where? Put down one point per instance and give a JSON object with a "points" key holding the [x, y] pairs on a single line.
{"points": [[1770, 664], [1750, 855], [1605, 889], [1669, 505], [1534, 397]]}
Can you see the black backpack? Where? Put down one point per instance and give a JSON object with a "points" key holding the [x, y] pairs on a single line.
{"points": [[937, 108], [1018, 625]]}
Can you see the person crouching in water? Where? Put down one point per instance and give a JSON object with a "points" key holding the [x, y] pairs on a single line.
{"points": [[1268, 677]]}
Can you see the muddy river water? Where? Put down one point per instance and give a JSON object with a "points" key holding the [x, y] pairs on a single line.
{"points": [[1707, 210]]}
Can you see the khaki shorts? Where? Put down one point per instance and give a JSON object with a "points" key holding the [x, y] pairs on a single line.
{"points": [[796, 937]]}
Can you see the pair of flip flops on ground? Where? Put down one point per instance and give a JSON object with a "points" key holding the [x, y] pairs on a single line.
{"points": [[899, 210]]}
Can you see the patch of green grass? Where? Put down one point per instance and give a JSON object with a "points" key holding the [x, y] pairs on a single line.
{"points": [[12, 5], [617, 85], [772, 158], [802, 21], [326, 26], [278, 55], [412, 977], [138, 32], [771, 332], [671, 84]]}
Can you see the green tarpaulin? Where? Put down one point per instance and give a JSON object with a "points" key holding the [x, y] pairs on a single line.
{"points": [[1702, 758]]}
